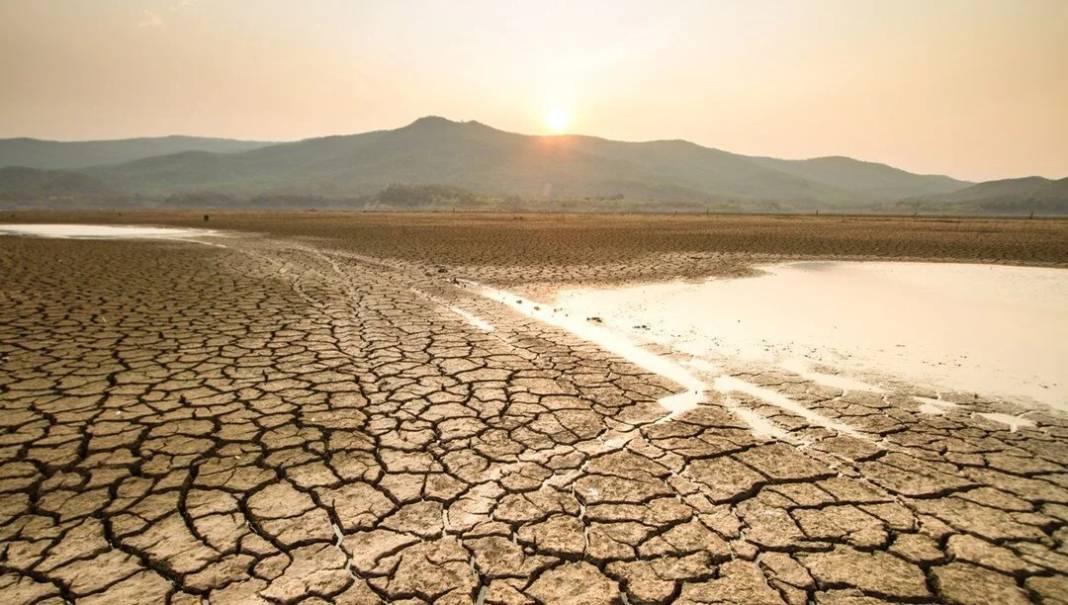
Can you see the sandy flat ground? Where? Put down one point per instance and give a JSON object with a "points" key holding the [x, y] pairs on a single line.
{"points": [[368, 408]]}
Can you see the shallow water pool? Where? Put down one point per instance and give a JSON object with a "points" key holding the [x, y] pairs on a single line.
{"points": [[73, 231], [986, 329]]}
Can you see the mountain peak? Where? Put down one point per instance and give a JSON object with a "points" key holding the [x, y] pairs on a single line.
{"points": [[432, 121]]}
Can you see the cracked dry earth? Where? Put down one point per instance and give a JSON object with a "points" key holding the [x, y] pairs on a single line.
{"points": [[270, 422]]}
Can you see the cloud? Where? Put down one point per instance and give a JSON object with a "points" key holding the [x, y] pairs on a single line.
{"points": [[150, 19]]}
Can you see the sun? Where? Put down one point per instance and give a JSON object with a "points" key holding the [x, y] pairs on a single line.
{"points": [[557, 119]]}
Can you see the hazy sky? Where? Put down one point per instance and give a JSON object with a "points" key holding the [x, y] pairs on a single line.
{"points": [[974, 88]]}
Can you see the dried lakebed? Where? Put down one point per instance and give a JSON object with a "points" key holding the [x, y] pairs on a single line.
{"points": [[276, 421]]}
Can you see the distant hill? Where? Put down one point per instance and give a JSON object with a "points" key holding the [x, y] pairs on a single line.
{"points": [[876, 181], [438, 163], [1006, 196], [29, 184], [477, 158], [66, 155]]}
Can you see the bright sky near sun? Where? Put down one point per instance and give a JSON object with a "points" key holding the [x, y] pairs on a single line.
{"points": [[976, 89]]}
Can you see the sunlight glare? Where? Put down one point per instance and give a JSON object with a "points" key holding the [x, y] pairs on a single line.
{"points": [[557, 119]]}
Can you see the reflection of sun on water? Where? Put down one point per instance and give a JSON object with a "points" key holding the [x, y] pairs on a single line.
{"points": [[557, 119]]}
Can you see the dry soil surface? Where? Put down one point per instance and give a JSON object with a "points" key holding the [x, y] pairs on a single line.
{"points": [[316, 409]]}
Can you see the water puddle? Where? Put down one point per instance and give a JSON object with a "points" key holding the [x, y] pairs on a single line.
{"points": [[695, 384], [846, 383], [935, 407], [472, 319], [993, 330], [1014, 423], [74, 231], [728, 384], [612, 341]]}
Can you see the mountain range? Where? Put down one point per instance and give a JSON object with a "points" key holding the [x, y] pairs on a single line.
{"points": [[469, 160], [67, 155]]}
